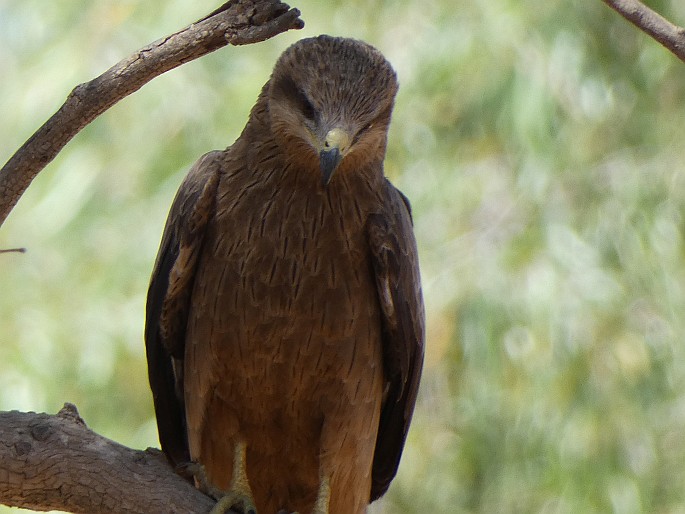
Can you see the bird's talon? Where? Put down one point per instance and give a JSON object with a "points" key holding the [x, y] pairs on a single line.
{"points": [[236, 501]]}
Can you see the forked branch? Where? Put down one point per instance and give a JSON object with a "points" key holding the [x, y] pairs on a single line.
{"points": [[238, 22]]}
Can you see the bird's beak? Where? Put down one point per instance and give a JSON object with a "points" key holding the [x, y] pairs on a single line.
{"points": [[329, 160], [334, 149]]}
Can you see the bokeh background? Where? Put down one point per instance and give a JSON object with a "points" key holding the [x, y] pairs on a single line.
{"points": [[541, 144]]}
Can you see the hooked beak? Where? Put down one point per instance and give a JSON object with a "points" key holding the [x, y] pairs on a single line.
{"points": [[329, 160], [334, 149]]}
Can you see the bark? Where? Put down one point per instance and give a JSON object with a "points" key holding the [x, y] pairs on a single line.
{"points": [[653, 24], [237, 22], [56, 462]]}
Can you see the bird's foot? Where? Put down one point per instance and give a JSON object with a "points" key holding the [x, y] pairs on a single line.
{"points": [[197, 471], [239, 495], [234, 500]]}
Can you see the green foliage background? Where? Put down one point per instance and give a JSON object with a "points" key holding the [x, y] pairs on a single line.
{"points": [[541, 144]]}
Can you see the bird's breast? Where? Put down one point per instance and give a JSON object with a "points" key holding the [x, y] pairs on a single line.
{"points": [[286, 284]]}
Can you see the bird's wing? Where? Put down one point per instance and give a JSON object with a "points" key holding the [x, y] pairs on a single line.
{"points": [[168, 301], [396, 267]]}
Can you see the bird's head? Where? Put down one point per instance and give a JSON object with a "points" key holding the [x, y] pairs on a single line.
{"points": [[330, 101]]}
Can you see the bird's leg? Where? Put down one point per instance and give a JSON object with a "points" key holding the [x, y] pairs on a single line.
{"points": [[239, 495], [323, 497]]}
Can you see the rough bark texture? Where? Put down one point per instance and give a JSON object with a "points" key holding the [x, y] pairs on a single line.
{"points": [[237, 22], [56, 462], [651, 23]]}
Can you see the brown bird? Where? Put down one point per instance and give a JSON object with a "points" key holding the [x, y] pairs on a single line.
{"points": [[285, 323]]}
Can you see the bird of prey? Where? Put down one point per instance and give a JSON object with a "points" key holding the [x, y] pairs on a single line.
{"points": [[285, 320]]}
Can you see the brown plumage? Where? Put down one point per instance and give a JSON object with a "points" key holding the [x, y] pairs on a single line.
{"points": [[285, 323]]}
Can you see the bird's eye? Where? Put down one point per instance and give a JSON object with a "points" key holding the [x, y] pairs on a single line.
{"points": [[306, 106], [287, 88]]}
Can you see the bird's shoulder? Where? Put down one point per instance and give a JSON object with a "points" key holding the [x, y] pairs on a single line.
{"points": [[203, 173], [396, 211]]}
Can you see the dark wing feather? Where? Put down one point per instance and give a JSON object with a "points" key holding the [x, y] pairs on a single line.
{"points": [[396, 267], [168, 301]]}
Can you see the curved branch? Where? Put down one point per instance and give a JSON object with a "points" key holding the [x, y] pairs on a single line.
{"points": [[237, 22], [57, 462], [652, 23]]}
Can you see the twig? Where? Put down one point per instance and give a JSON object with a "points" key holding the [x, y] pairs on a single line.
{"points": [[13, 250], [652, 23], [237, 22]]}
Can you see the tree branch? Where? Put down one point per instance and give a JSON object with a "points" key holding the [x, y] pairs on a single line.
{"points": [[238, 22], [57, 462], [652, 23]]}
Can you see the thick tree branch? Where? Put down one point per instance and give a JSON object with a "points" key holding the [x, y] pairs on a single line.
{"points": [[237, 22], [652, 23], [56, 462]]}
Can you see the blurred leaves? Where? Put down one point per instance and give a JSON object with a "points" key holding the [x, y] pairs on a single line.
{"points": [[541, 146]]}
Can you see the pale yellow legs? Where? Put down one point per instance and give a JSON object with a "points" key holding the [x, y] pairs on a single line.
{"points": [[239, 495], [323, 497]]}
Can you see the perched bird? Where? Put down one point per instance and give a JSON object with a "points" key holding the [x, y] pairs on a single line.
{"points": [[285, 323]]}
